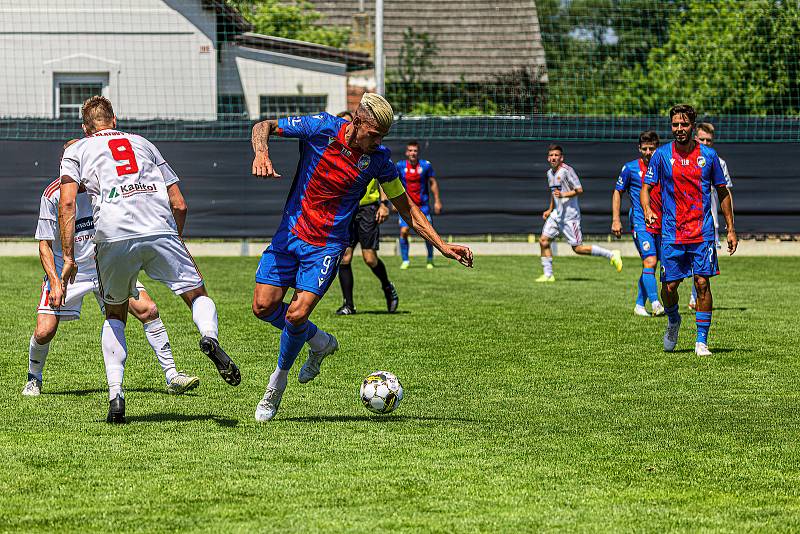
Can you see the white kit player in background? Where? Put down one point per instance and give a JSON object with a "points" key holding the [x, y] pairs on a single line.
{"points": [[563, 216], [50, 314], [139, 214], [704, 134]]}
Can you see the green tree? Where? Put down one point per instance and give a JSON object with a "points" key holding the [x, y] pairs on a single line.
{"points": [[291, 20], [726, 58]]}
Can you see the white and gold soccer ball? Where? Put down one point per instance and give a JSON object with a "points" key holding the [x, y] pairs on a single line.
{"points": [[381, 392]]}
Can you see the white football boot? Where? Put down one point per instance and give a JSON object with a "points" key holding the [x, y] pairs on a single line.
{"points": [[33, 387], [640, 310], [181, 383], [701, 349], [269, 404], [658, 309], [671, 335], [310, 369]]}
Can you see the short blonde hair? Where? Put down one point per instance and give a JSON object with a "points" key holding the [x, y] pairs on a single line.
{"points": [[97, 110], [379, 109], [707, 127]]}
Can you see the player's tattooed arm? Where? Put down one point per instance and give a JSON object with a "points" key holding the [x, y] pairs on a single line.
{"points": [[262, 165], [66, 225], [419, 222], [616, 201], [726, 204]]}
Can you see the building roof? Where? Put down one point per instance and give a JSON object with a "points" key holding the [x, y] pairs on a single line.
{"points": [[354, 60], [476, 39]]}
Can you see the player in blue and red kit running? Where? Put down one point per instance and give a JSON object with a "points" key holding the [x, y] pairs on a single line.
{"points": [[687, 171], [420, 182], [630, 180], [338, 159]]}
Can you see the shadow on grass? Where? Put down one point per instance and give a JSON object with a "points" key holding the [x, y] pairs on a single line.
{"points": [[384, 312], [376, 418], [730, 308], [181, 418], [714, 350], [84, 392], [576, 279]]}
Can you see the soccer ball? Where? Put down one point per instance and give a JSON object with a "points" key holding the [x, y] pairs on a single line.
{"points": [[381, 392]]}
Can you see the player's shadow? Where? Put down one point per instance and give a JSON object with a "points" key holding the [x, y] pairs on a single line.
{"points": [[577, 279], [386, 419], [181, 418], [84, 392], [383, 312], [730, 308], [714, 350]]}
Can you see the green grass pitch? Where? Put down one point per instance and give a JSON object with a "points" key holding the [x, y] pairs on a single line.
{"points": [[528, 407]]}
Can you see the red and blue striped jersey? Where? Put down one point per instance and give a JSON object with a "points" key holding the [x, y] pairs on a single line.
{"points": [[330, 180], [630, 179], [415, 180], [686, 183]]}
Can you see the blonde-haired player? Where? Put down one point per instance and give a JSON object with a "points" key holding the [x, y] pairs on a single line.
{"points": [[563, 216], [139, 214], [338, 159]]}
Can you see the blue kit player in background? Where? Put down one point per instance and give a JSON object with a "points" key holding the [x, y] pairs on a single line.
{"points": [[338, 159], [420, 183], [630, 180], [687, 172]]}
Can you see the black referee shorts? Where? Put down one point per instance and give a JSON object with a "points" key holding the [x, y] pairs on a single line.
{"points": [[364, 229]]}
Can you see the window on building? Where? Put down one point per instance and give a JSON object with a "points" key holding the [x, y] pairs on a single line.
{"points": [[276, 106], [231, 107], [72, 90]]}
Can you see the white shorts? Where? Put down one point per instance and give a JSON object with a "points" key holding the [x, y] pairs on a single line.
{"points": [[163, 257], [71, 309], [570, 229]]}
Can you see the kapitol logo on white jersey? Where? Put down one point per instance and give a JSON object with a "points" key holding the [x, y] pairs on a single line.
{"points": [[128, 190]]}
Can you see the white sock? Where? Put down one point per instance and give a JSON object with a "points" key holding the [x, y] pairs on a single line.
{"points": [[600, 251], [278, 379], [547, 265], [37, 354], [156, 334], [320, 339], [204, 315], [115, 352]]}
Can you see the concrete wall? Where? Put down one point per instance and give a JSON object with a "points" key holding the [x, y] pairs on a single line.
{"points": [[160, 62]]}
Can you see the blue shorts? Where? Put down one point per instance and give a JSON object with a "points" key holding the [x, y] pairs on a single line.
{"points": [[425, 209], [645, 244], [292, 262], [681, 261]]}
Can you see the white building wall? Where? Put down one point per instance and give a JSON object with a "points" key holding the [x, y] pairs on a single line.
{"points": [[257, 72], [160, 62]]}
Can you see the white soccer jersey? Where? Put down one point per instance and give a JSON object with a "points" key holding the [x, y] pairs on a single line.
{"points": [[48, 230], [127, 179], [715, 198], [564, 179]]}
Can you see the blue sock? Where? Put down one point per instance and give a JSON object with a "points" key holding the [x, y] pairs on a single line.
{"points": [[650, 284], [404, 248], [278, 319], [430, 251], [673, 314], [292, 340], [640, 297], [703, 321]]}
